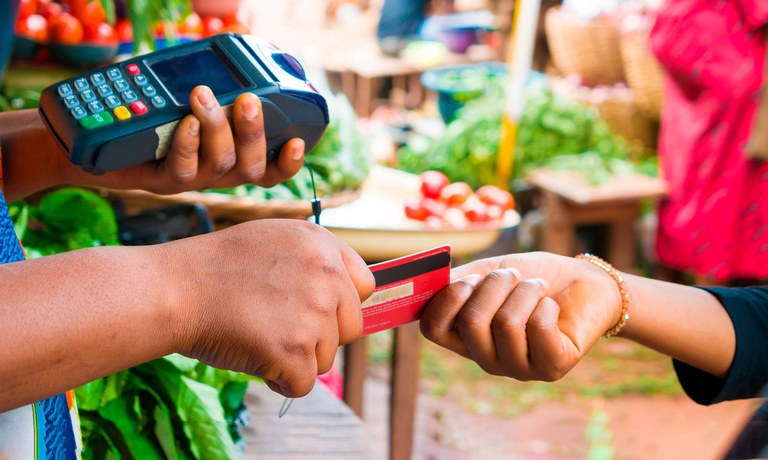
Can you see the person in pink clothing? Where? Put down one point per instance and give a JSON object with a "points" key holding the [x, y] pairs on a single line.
{"points": [[714, 223]]}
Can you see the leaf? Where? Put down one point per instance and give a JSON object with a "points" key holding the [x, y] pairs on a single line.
{"points": [[198, 406], [139, 443], [164, 431], [81, 213], [182, 363]]}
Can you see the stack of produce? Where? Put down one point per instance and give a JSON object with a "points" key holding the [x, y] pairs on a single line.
{"points": [[174, 407], [553, 131]]}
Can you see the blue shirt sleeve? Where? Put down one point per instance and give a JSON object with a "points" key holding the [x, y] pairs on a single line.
{"points": [[748, 309]]}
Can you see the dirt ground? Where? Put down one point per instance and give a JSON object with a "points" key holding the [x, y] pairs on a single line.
{"points": [[621, 402]]}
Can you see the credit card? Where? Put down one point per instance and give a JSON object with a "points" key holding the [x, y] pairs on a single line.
{"points": [[404, 286]]}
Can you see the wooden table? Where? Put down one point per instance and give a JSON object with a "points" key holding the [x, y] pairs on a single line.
{"points": [[318, 426], [362, 76], [568, 201]]}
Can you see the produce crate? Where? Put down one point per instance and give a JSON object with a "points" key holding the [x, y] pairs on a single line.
{"points": [[588, 49]]}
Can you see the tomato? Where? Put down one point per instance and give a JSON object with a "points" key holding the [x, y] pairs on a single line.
{"points": [[432, 182], [454, 217], [212, 26], [41, 5], [162, 27], [77, 7], [67, 29], [34, 27], [475, 210], [495, 212], [455, 194], [92, 15], [103, 34], [27, 8], [124, 31], [232, 19], [192, 25], [413, 210], [433, 207], [237, 28], [492, 195], [51, 12]]}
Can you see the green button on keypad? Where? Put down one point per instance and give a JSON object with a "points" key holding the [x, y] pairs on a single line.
{"points": [[97, 120]]}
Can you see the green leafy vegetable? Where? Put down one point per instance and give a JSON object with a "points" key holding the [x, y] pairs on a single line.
{"points": [[553, 131]]}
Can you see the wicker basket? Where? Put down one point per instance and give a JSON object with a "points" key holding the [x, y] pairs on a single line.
{"points": [[227, 209], [644, 74], [591, 50]]}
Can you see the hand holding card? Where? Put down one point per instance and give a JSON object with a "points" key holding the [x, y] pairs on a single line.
{"points": [[404, 286]]}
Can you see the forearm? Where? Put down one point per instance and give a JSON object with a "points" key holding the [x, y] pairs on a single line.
{"points": [[686, 323], [76, 317], [32, 161]]}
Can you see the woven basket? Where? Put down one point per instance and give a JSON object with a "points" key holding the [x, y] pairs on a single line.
{"points": [[591, 50], [644, 74], [224, 208]]}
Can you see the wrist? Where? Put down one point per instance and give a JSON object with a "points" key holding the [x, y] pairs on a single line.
{"points": [[610, 285]]}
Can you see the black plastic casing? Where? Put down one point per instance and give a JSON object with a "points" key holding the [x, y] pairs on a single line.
{"points": [[291, 107]]}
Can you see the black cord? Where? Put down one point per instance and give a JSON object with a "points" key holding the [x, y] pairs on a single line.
{"points": [[317, 206]]}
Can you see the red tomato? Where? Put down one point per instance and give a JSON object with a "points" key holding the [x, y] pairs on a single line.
{"points": [[76, 7], [212, 26], [232, 19], [51, 11], [162, 27], [92, 15], [454, 217], [475, 210], [455, 194], [492, 195], [27, 8], [432, 182], [495, 212], [124, 31], [103, 34], [67, 29], [41, 5], [413, 210], [433, 207], [192, 25], [34, 27]]}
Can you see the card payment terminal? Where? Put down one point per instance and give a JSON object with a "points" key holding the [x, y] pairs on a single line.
{"points": [[125, 114]]}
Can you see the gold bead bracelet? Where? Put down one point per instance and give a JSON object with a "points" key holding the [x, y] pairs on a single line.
{"points": [[619, 278]]}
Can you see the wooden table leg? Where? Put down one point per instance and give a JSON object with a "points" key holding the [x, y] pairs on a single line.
{"points": [[559, 231], [349, 85], [622, 244], [405, 387], [364, 96], [354, 375]]}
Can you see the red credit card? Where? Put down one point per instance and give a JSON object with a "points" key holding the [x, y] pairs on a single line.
{"points": [[404, 286]]}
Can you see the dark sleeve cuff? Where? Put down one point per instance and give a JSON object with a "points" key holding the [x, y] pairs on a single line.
{"points": [[748, 310]]}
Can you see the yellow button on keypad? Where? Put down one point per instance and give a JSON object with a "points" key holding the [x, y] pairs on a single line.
{"points": [[122, 113]]}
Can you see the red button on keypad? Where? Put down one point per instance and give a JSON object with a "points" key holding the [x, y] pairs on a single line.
{"points": [[133, 69], [139, 108]]}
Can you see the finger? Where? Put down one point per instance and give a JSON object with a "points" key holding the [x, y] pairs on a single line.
{"points": [[552, 354], [509, 327], [474, 320], [325, 351], [217, 144], [438, 320], [287, 164], [182, 160], [359, 273], [300, 380], [250, 142], [481, 267]]}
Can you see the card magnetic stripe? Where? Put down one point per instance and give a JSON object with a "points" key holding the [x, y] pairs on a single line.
{"points": [[412, 269]]}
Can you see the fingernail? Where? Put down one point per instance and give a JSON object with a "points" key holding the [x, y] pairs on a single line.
{"points": [[297, 151], [250, 110], [544, 283], [206, 98], [473, 279], [194, 126]]}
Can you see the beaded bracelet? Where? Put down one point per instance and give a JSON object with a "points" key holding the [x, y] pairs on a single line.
{"points": [[608, 268]]}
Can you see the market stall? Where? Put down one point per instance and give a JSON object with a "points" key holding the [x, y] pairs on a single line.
{"points": [[471, 134]]}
